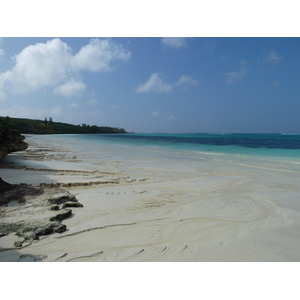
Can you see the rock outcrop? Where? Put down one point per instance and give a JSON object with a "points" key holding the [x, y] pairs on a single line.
{"points": [[11, 141], [33, 211]]}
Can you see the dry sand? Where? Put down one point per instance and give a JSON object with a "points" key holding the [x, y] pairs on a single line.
{"points": [[160, 210]]}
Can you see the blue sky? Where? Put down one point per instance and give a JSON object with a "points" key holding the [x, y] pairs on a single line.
{"points": [[154, 84]]}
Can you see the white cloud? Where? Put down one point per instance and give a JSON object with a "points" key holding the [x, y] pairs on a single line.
{"points": [[70, 89], [74, 105], [232, 77], [154, 84], [99, 55], [176, 42], [272, 57], [39, 65], [157, 85], [92, 102], [52, 63], [186, 80]]}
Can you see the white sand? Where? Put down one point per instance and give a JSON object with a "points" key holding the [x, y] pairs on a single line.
{"points": [[162, 209]]}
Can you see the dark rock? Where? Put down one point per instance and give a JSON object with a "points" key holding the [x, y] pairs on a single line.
{"points": [[49, 228], [71, 204], [62, 197], [38, 215], [54, 207], [4, 186], [11, 141], [61, 228], [63, 214], [18, 244]]}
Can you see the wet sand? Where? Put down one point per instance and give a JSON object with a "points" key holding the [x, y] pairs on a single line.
{"points": [[162, 209]]}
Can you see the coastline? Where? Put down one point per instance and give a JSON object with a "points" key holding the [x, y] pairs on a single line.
{"points": [[158, 210]]}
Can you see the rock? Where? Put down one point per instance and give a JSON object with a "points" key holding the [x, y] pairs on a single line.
{"points": [[32, 258], [4, 186], [71, 204], [61, 228], [62, 197], [47, 229], [18, 244], [63, 214], [11, 141], [37, 214], [54, 207], [20, 193]]}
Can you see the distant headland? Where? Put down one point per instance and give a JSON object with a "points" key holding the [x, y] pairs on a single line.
{"points": [[48, 126]]}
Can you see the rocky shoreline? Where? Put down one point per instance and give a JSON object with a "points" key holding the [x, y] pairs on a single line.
{"points": [[27, 211], [31, 212], [11, 141]]}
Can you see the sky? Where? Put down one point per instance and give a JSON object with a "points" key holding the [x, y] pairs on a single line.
{"points": [[172, 85]]}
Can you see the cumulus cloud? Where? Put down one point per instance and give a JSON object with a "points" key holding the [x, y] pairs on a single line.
{"points": [[156, 84], [92, 102], [232, 77], [272, 57], [99, 56], [53, 64], [175, 42], [42, 64], [186, 80], [70, 89]]}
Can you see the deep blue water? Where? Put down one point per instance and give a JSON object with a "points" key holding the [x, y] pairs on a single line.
{"points": [[276, 141], [274, 145]]}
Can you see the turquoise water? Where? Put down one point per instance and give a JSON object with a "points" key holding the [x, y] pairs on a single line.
{"points": [[258, 148], [278, 145]]}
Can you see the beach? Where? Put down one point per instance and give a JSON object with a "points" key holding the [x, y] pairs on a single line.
{"points": [[145, 204]]}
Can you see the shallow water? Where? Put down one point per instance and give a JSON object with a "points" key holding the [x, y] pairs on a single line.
{"points": [[263, 150]]}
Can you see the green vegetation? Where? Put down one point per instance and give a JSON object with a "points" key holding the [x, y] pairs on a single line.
{"points": [[50, 127]]}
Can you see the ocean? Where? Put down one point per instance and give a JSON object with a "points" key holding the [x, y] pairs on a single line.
{"points": [[276, 150], [267, 145]]}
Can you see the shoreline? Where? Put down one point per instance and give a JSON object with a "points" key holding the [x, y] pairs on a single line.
{"points": [[164, 210]]}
